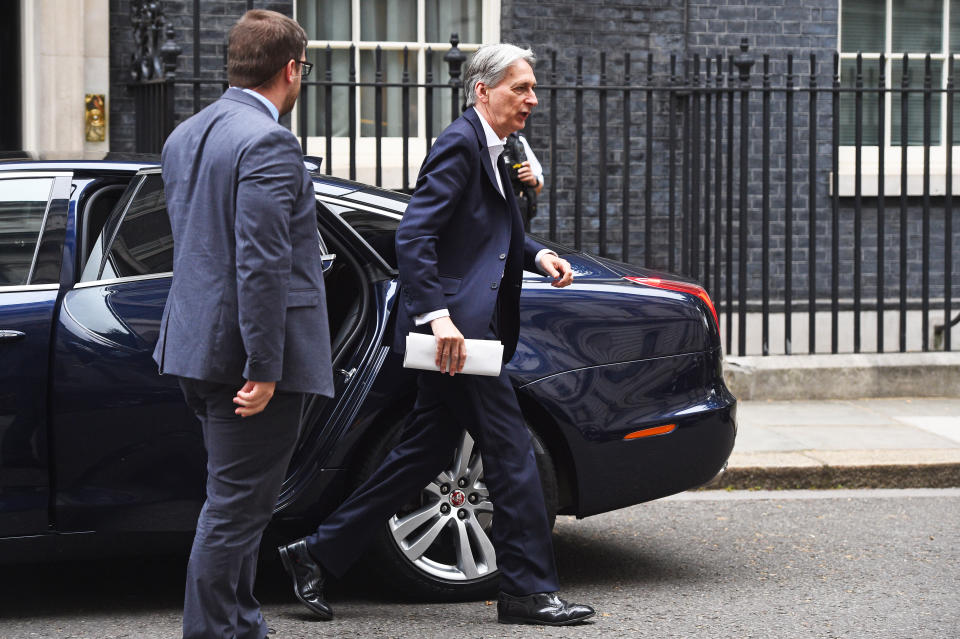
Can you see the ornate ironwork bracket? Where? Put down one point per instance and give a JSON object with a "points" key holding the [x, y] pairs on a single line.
{"points": [[152, 60]]}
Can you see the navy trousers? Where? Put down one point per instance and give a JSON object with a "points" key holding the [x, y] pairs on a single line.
{"points": [[488, 409], [247, 459]]}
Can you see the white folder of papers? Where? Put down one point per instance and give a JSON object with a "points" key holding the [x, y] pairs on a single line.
{"points": [[484, 356]]}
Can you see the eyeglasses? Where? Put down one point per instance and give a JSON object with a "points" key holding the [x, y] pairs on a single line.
{"points": [[305, 68]]}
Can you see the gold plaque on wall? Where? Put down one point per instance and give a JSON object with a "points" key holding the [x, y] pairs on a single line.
{"points": [[96, 117]]}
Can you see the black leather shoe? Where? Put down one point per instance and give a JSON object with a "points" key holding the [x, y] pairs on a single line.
{"points": [[307, 578], [542, 609]]}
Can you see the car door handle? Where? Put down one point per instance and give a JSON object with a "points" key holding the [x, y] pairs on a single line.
{"points": [[11, 336]]}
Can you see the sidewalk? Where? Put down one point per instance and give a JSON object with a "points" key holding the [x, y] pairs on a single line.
{"points": [[860, 443]]}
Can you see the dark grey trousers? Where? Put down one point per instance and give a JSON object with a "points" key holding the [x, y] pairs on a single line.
{"points": [[488, 408], [247, 459]]}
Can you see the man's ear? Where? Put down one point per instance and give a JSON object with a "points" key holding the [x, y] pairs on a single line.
{"points": [[480, 90], [290, 71]]}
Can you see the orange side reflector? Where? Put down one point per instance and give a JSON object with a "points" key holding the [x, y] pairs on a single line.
{"points": [[650, 432]]}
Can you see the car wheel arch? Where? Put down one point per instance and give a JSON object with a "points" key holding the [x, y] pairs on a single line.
{"points": [[549, 432]]}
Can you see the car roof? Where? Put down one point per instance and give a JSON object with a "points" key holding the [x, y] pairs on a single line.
{"points": [[328, 185], [126, 166]]}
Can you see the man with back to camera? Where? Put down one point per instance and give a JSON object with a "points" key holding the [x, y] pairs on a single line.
{"points": [[245, 324], [461, 252]]}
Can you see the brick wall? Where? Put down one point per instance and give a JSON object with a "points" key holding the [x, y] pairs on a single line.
{"points": [[216, 18], [705, 28]]}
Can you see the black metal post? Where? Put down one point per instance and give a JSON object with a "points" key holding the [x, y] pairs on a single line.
{"points": [[578, 194], [925, 231], [881, 185], [744, 64], [554, 105], [625, 215], [455, 59], [303, 108], [857, 202], [602, 212], [765, 212], [812, 212], [729, 282], [685, 182], [429, 99], [196, 53], [648, 170], [788, 217], [406, 120], [378, 114], [718, 184], [948, 213], [352, 111], [707, 148], [671, 164], [835, 213], [904, 141], [693, 241]]}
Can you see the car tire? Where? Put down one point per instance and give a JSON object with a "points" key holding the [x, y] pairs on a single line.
{"points": [[440, 573]]}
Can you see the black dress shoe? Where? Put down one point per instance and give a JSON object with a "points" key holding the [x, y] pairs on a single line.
{"points": [[542, 609], [307, 578]]}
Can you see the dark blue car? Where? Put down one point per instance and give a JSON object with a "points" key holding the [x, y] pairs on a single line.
{"points": [[619, 378]]}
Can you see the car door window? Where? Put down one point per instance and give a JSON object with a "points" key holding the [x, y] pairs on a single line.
{"points": [[23, 205], [377, 229], [143, 244]]}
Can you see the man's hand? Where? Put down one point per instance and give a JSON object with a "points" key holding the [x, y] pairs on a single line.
{"points": [[451, 349], [526, 175], [253, 397], [557, 268]]}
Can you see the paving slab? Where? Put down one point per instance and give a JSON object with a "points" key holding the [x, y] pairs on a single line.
{"points": [[875, 442]]}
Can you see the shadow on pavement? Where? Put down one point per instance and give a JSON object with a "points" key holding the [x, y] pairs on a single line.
{"points": [[588, 558]]}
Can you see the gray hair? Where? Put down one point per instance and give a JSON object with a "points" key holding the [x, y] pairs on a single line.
{"points": [[489, 64]]}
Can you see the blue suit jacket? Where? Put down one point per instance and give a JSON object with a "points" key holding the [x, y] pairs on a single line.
{"points": [[247, 299], [460, 243]]}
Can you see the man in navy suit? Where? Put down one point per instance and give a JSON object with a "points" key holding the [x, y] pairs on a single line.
{"points": [[245, 325], [461, 252]]}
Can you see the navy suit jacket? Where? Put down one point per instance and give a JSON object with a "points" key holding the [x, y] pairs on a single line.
{"points": [[247, 299], [461, 243]]}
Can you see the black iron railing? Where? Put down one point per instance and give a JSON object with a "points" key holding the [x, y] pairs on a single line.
{"points": [[733, 171]]}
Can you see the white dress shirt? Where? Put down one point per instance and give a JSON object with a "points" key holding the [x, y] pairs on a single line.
{"points": [[495, 146]]}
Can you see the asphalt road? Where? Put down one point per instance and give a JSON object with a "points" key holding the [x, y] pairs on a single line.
{"points": [[882, 563]]}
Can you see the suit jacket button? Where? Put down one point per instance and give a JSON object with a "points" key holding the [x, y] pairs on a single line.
{"points": [[503, 256], [494, 285]]}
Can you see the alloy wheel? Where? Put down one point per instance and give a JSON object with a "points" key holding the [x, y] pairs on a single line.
{"points": [[447, 532]]}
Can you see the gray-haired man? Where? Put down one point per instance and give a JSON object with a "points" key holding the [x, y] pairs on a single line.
{"points": [[461, 252]]}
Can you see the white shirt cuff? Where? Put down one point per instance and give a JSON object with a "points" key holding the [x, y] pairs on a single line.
{"points": [[540, 254], [426, 318]]}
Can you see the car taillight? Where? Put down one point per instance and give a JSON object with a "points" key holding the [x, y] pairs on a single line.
{"points": [[683, 287]]}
